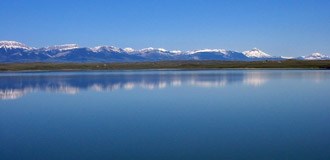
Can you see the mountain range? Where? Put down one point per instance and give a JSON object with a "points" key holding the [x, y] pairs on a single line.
{"points": [[12, 51]]}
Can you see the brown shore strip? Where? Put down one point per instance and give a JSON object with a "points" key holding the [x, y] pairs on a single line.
{"points": [[205, 64]]}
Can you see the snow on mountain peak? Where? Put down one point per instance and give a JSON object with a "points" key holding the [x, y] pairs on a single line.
{"points": [[149, 49], [318, 55], [176, 51], [63, 47], [129, 50], [162, 49], [315, 56], [13, 45], [207, 50], [256, 53], [106, 48], [146, 49]]}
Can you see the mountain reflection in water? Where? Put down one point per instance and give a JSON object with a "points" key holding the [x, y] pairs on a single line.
{"points": [[15, 85]]}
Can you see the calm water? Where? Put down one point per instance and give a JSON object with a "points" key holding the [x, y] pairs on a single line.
{"points": [[230, 114]]}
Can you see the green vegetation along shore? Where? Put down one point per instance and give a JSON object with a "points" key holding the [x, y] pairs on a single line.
{"points": [[287, 64]]}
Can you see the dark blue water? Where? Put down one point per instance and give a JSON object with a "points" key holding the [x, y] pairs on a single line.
{"points": [[230, 114]]}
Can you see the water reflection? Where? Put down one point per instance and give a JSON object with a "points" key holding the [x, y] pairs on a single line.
{"points": [[15, 85]]}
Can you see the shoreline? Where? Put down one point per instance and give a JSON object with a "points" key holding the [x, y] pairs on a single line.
{"points": [[167, 65], [128, 70]]}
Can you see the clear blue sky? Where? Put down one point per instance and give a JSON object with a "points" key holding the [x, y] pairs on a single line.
{"points": [[278, 27]]}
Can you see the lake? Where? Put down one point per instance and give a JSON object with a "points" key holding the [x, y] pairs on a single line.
{"points": [[165, 114]]}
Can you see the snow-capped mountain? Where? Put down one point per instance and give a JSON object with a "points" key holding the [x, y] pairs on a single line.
{"points": [[158, 50], [62, 47], [216, 54], [315, 56], [256, 53], [11, 51], [106, 49], [12, 45], [128, 50], [219, 51]]}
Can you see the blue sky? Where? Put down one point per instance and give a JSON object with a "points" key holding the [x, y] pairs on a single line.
{"points": [[278, 27]]}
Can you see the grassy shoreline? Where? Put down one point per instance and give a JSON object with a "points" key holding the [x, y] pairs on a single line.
{"points": [[195, 65]]}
